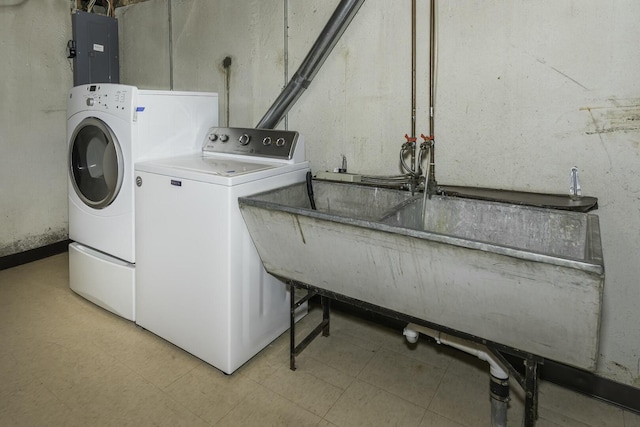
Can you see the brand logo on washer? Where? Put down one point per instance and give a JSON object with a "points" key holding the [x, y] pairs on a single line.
{"points": [[138, 181]]}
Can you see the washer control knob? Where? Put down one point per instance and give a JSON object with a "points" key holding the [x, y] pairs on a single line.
{"points": [[266, 140], [90, 102], [224, 137], [213, 137], [280, 142], [244, 139]]}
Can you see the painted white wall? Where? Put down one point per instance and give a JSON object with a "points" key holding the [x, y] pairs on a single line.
{"points": [[35, 78], [525, 91], [144, 51], [528, 89]]}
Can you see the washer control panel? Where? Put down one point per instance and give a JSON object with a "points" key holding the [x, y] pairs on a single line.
{"points": [[279, 144]]}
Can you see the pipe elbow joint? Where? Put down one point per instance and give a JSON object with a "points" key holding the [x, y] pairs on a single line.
{"points": [[411, 335]]}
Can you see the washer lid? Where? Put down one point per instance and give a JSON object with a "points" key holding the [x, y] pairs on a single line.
{"points": [[216, 165], [222, 170]]}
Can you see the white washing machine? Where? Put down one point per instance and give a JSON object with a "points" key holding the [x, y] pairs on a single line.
{"points": [[200, 283], [109, 128]]}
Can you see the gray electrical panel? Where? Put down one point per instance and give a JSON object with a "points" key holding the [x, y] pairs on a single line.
{"points": [[94, 49]]}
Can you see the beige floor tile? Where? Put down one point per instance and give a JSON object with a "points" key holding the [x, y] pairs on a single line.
{"points": [[405, 377], [51, 272], [32, 404], [341, 353], [581, 408], [432, 419], [463, 399], [304, 389], [466, 401], [63, 368], [373, 334], [363, 404], [263, 365], [119, 396], [631, 419], [325, 372], [549, 418], [65, 361], [13, 374], [365, 333], [155, 359], [209, 393], [466, 365], [263, 407]]}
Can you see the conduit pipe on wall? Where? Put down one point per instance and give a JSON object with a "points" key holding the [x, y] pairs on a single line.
{"points": [[499, 385], [323, 46]]}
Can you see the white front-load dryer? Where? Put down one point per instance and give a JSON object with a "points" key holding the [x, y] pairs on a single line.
{"points": [[109, 128]]}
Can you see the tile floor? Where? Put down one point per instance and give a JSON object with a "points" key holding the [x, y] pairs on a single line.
{"points": [[66, 362]]}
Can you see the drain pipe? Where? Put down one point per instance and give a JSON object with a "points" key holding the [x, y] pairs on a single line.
{"points": [[323, 46], [499, 384]]}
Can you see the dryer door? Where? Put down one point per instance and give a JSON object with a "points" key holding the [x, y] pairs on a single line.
{"points": [[95, 163]]}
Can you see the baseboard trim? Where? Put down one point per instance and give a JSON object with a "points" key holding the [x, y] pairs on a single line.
{"points": [[590, 384], [587, 383], [31, 255]]}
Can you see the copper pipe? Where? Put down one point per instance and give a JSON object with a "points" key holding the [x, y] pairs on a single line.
{"points": [[431, 182], [413, 83], [413, 68]]}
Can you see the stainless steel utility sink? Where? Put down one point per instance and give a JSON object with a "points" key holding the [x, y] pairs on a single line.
{"points": [[528, 278]]}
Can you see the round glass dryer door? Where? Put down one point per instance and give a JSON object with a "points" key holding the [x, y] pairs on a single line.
{"points": [[95, 162]]}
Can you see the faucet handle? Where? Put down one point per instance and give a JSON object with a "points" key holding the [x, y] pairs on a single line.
{"points": [[409, 138], [426, 138]]}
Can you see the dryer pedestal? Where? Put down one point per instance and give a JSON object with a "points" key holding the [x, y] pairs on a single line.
{"points": [[102, 279]]}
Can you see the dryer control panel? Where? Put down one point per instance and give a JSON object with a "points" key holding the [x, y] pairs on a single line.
{"points": [[111, 98], [269, 143]]}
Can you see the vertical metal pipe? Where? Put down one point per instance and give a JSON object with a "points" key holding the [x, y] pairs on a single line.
{"points": [[413, 68], [413, 83], [227, 74], [432, 55], [286, 54], [292, 327], [499, 397], [170, 17], [431, 181]]}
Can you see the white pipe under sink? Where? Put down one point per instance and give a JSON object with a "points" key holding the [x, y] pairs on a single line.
{"points": [[499, 391]]}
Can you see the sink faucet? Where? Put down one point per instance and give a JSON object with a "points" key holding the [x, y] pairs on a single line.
{"points": [[575, 191], [431, 185]]}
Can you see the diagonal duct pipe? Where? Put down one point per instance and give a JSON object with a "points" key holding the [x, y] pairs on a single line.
{"points": [[323, 46]]}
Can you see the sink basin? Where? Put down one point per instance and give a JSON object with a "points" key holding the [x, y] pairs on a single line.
{"points": [[524, 277], [527, 232]]}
